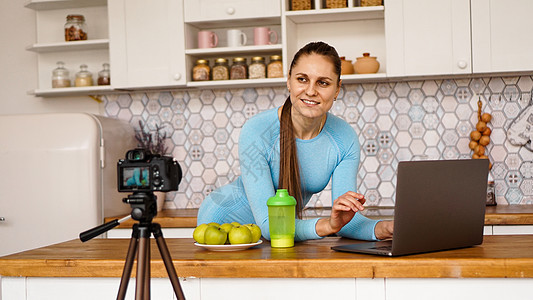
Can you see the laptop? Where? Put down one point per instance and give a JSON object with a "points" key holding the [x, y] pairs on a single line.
{"points": [[440, 205]]}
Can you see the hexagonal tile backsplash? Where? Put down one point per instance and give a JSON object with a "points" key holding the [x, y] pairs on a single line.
{"points": [[395, 121]]}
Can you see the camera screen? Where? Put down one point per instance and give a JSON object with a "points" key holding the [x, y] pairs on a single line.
{"points": [[136, 177]]}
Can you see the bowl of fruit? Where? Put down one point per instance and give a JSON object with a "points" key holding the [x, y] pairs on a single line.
{"points": [[227, 237]]}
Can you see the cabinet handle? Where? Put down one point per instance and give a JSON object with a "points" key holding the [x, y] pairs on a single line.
{"points": [[177, 76], [2, 219], [461, 64], [230, 10]]}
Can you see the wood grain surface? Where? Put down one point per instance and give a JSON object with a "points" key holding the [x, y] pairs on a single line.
{"points": [[494, 215], [498, 256]]}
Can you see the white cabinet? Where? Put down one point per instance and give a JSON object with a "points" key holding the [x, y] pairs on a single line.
{"points": [[202, 10], [428, 37], [352, 31], [51, 46], [146, 47], [501, 35]]}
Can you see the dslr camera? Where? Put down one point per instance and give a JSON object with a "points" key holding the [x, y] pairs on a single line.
{"points": [[142, 171]]}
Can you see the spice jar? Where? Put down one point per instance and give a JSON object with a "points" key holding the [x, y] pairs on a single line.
{"points": [[75, 28], [221, 69], [275, 67], [491, 194], [239, 69], [201, 71], [257, 68], [104, 76], [60, 76], [83, 77]]}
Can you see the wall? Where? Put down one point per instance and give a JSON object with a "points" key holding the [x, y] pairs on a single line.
{"points": [[395, 121], [18, 73]]}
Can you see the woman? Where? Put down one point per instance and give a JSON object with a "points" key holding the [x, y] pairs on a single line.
{"points": [[299, 147]]}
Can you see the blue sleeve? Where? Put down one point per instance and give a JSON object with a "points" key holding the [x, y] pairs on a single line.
{"points": [[344, 179]]}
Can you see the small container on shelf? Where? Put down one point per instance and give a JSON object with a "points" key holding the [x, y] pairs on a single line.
{"points": [[201, 71], [60, 76], [366, 64], [336, 3], [275, 67], [221, 69], [371, 2], [104, 76], [83, 77], [301, 4], [239, 69], [75, 28], [491, 193], [257, 68]]}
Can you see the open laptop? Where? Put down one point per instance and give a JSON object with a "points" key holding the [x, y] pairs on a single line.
{"points": [[440, 205]]}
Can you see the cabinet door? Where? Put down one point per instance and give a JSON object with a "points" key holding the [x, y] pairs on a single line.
{"points": [[427, 37], [146, 43], [501, 35], [204, 10]]}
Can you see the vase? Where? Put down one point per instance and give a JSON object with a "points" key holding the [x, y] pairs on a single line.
{"points": [[346, 66], [161, 196], [366, 64]]}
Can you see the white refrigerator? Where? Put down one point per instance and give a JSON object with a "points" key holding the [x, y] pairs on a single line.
{"points": [[58, 176]]}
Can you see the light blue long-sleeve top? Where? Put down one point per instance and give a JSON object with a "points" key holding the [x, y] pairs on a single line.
{"points": [[332, 154]]}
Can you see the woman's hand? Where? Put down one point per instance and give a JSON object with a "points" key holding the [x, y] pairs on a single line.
{"points": [[384, 230], [342, 212]]}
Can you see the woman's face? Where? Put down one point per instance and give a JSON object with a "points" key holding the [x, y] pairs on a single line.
{"points": [[313, 86]]}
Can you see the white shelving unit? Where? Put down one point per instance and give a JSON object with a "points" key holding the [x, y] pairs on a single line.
{"points": [[51, 46]]}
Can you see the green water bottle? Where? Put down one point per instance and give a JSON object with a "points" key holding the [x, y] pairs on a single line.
{"points": [[281, 216]]}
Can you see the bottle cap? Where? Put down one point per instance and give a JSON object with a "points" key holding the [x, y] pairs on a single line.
{"points": [[282, 198]]}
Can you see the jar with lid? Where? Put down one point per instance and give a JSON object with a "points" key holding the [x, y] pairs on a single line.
{"points": [[221, 69], [491, 193], [201, 71], [83, 77], [60, 76], [275, 67], [239, 69], [104, 76], [257, 68], [75, 28]]}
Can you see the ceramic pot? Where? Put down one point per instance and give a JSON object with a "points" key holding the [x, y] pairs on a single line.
{"points": [[160, 200], [346, 66], [366, 64]]}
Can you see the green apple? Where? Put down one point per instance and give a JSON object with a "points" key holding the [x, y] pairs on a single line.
{"points": [[240, 235], [256, 232], [227, 227], [198, 233], [214, 235], [213, 224], [235, 223]]}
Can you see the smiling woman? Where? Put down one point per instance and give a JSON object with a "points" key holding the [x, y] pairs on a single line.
{"points": [[299, 146]]}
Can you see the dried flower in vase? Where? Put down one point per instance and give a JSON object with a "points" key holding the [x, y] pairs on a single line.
{"points": [[155, 142]]}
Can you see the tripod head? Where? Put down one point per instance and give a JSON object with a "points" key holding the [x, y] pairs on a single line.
{"points": [[143, 209]]}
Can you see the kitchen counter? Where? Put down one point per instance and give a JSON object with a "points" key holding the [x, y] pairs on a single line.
{"points": [[494, 215], [497, 257]]}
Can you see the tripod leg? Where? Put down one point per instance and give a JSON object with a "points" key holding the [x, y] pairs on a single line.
{"points": [[147, 272], [128, 265], [144, 236], [167, 260]]}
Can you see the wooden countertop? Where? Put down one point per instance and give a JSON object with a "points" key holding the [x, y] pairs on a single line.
{"points": [[494, 215], [498, 256]]}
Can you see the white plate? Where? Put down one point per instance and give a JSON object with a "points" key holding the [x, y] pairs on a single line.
{"points": [[228, 247]]}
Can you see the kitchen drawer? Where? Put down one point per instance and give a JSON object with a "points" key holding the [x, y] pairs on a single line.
{"points": [[212, 10]]}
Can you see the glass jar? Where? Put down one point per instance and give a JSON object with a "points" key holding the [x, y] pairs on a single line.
{"points": [[75, 28], [201, 71], [275, 67], [491, 193], [83, 77], [257, 68], [104, 76], [221, 69], [60, 76], [239, 69]]}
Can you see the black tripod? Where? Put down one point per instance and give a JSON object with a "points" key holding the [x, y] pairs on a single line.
{"points": [[144, 209]]}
